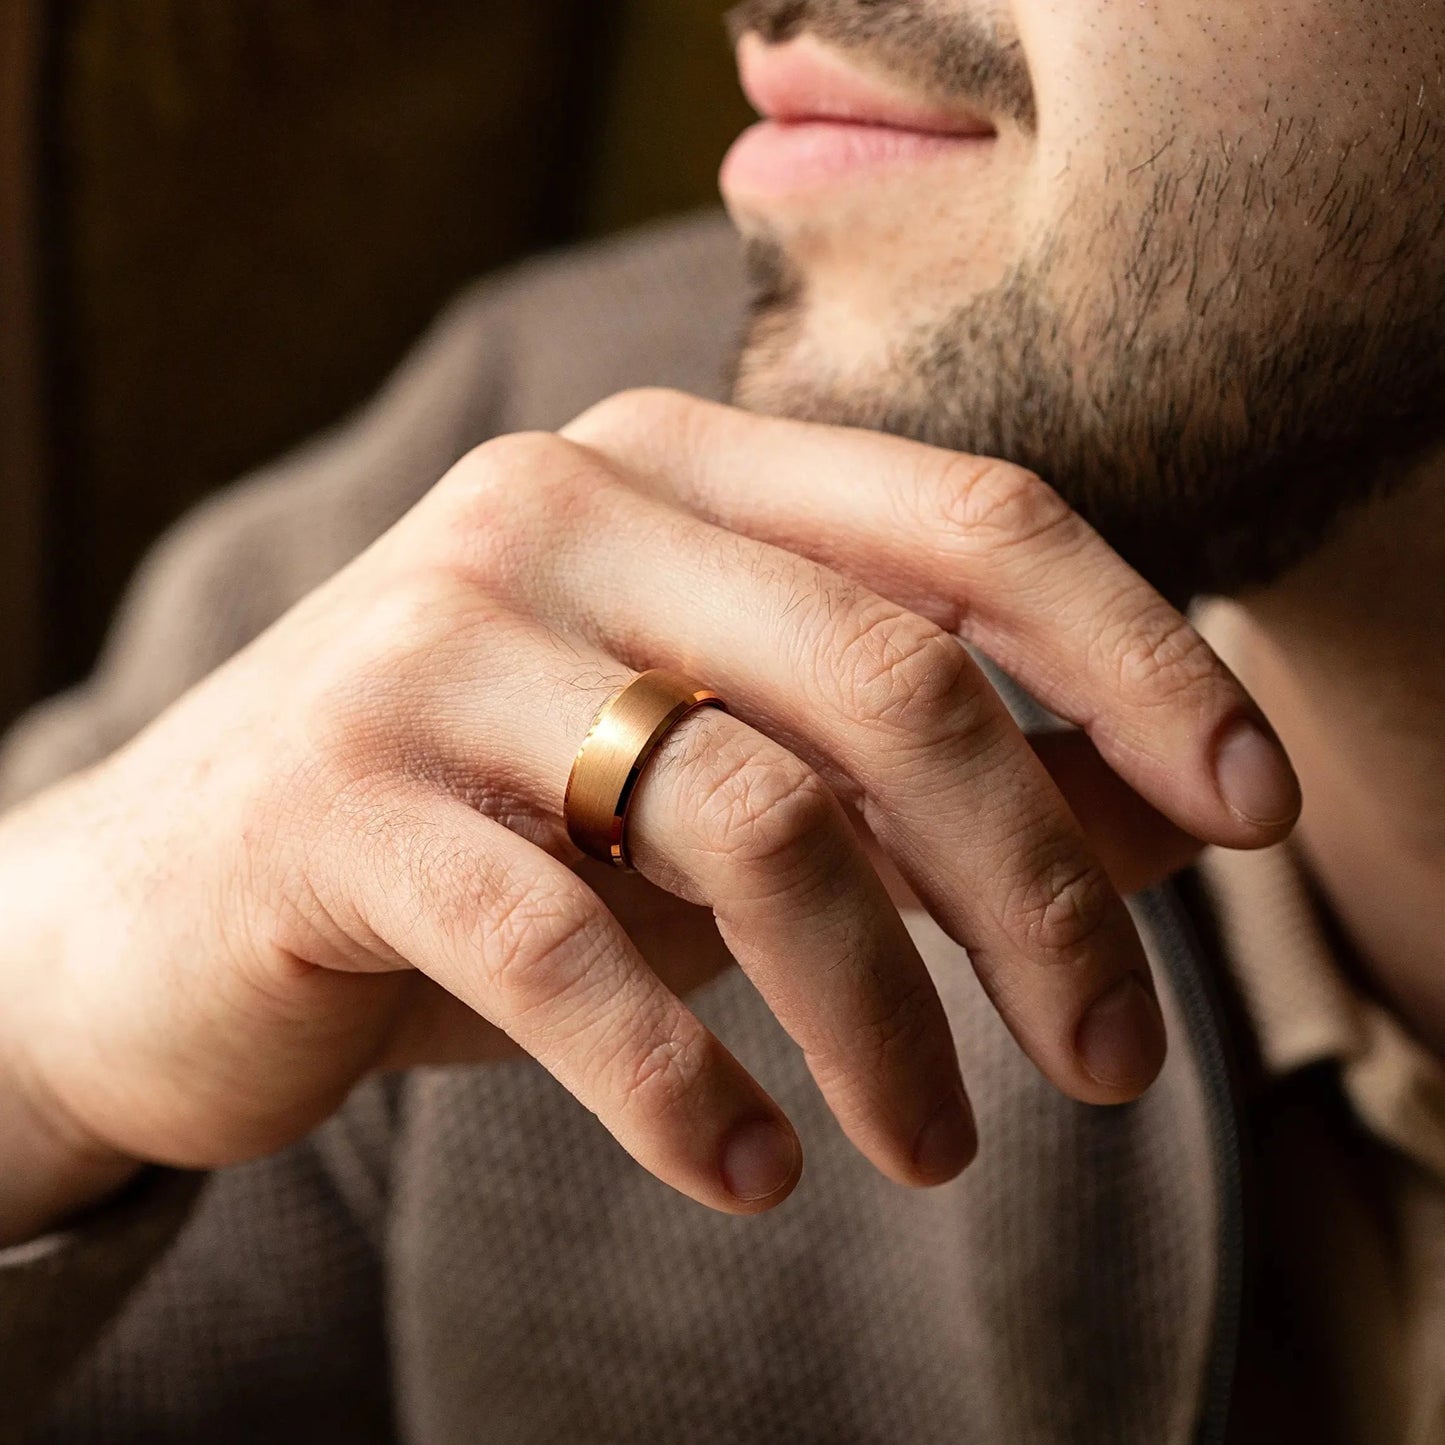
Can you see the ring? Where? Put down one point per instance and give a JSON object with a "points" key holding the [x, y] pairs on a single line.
{"points": [[623, 736]]}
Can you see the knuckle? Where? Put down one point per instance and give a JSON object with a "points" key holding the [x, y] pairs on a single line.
{"points": [[497, 469], [900, 1028], [1067, 909], [566, 494], [1162, 657], [537, 949], [763, 808], [654, 1083], [897, 669], [995, 503], [892, 1036], [512, 496]]}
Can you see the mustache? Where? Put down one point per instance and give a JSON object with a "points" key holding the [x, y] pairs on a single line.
{"points": [[956, 56]]}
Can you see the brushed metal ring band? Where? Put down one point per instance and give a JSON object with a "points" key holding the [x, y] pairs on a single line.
{"points": [[624, 735]]}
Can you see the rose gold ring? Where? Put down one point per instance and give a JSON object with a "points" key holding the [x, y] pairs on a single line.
{"points": [[623, 737]]}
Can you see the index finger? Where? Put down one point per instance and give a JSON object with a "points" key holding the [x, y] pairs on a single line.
{"points": [[990, 552]]}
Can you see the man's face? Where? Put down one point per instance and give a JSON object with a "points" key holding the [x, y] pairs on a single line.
{"points": [[1195, 276]]}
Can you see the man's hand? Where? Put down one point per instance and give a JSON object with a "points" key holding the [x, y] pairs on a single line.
{"points": [[344, 850]]}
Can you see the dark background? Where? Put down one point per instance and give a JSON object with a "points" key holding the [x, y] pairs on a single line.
{"points": [[222, 221]]}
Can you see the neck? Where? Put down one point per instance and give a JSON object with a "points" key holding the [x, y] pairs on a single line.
{"points": [[1347, 658]]}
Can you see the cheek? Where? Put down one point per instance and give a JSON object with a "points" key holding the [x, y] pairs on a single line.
{"points": [[1129, 90], [1115, 77]]}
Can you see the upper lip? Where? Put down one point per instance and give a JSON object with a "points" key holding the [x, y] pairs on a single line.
{"points": [[803, 80]]}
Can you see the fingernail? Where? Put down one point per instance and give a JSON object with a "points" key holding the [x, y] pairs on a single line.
{"points": [[1121, 1039], [1255, 776], [760, 1158], [948, 1141]]}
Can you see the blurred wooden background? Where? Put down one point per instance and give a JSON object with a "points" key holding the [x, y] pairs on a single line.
{"points": [[221, 221]]}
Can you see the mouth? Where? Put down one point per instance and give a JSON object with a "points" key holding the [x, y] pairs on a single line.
{"points": [[826, 121]]}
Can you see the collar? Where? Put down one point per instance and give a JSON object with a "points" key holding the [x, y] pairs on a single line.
{"points": [[1306, 1011]]}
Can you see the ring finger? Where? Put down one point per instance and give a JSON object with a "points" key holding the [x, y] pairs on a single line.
{"points": [[727, 817]]}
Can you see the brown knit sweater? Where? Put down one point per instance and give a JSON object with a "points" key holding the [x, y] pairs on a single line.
{"points": [[465, 1255]]}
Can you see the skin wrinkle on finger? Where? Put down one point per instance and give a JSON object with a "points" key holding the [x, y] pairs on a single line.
{"points": [[931, 513], [1000, 508], [817, 605], [541, 958], [766, 815], [963, 614], [890, 671], [867, 947], [711, 763], [894, 1035], [1032, 917], [857, 526]]}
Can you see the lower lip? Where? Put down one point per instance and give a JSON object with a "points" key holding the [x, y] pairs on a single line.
{"points": [[781, 157]]}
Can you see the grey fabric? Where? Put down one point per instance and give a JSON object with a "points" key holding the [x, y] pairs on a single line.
{"points": [[464, 1254], [44, 1327]]}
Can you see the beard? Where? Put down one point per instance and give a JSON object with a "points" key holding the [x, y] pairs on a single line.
{"points": [[1208, 382]]}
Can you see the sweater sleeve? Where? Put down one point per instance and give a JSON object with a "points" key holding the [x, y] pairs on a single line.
{"points": [[44, 1325], [243, 1305], [191, 1306]]}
